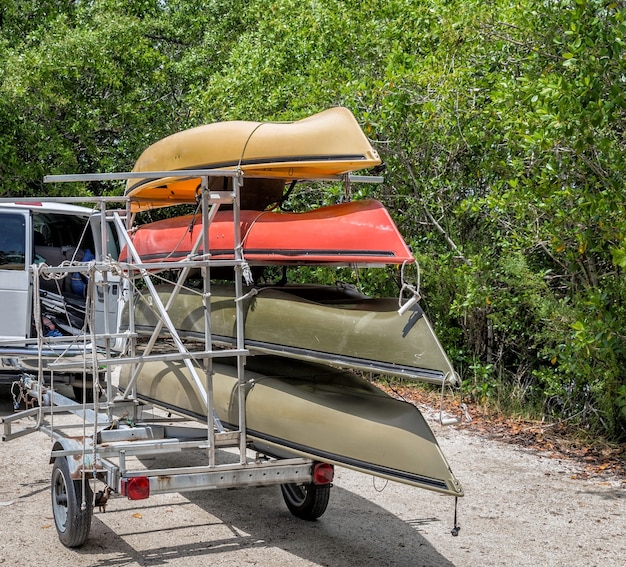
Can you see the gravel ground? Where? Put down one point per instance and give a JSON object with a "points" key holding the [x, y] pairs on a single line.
{"points": [[520, 509]]}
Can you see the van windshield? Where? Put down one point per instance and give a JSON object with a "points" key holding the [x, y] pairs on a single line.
{"points": [[12, 242]]}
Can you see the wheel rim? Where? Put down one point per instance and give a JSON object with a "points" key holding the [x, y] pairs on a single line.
{"points": [[59, 500]]}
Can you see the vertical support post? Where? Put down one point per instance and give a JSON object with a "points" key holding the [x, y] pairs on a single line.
{"points": [[240, 316], [90, 315], [130, 299], [105, 306], [206, 298]]}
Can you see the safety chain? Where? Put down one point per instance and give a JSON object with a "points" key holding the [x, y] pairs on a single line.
{"points": [[19, 396]]}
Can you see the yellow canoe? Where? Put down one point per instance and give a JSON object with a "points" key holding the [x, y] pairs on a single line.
{"points": [[324, 145]]}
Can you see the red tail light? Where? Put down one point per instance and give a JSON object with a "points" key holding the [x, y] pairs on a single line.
{"points": [[136, 488], [323, 473]]}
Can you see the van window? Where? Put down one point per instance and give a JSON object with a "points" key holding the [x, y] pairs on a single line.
{"points": [[12, 242], [112, 240], [58, 230]]}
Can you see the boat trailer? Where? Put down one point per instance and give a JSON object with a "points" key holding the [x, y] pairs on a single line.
{"points": [[104, 437]]}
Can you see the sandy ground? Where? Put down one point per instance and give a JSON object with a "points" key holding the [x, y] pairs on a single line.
{"points": [[520, 509]]}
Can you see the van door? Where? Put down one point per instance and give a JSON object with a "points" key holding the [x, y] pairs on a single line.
{"points": [[107, 296], [15, 258]]}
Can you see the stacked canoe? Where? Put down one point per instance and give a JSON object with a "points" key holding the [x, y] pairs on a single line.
{"points": [[297, 401], [335, 325]]}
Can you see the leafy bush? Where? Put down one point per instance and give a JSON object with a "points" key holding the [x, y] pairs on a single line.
{"points": [[501, 125]]}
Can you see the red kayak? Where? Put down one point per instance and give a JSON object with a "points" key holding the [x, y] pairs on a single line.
{"points": [[359, 232]]}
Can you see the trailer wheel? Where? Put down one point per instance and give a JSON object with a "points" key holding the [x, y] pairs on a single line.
{"points": [[72, 521], [306, 501]]}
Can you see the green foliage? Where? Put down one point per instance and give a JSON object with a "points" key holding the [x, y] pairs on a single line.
{"points": [[88, 92], [501, 125]]}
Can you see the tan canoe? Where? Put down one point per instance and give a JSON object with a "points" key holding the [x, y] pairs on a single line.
{"points": [[324, 145], [298, 408]]}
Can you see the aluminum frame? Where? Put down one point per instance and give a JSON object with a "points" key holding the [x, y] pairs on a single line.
{"points": [[103, 454]]}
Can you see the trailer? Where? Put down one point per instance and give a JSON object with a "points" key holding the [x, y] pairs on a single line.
{"points": [[99, 441], [100, 438]]}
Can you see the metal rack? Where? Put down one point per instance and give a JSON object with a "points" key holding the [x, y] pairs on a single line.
{"points": [[104, 437], [101, 441]]}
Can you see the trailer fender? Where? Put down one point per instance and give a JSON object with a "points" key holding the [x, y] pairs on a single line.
{"points": [[79, 457]]}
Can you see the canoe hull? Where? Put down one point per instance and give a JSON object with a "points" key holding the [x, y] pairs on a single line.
{"points": [[296, 408], [360, 232], [328, 324]]}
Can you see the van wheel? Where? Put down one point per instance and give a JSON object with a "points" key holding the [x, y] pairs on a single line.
{"points": [[78, 394], [306, 501], [71, 517]]}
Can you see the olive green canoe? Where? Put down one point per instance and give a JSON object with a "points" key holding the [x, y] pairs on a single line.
{"points": [[329, 324], [311, 410]]}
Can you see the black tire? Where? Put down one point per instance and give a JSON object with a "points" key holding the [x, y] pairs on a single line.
{"points": [[79, 391], [72, 522], [306, 501]]}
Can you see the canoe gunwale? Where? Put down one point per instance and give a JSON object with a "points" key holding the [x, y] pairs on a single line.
{"points": [[429, 376], [327, 258], [438, 485], [248, 169]]}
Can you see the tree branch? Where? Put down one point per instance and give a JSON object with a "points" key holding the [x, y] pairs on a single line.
{"points": [[431, 218]]}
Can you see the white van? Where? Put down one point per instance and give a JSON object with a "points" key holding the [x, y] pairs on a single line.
{"points": [[50, 233]]}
